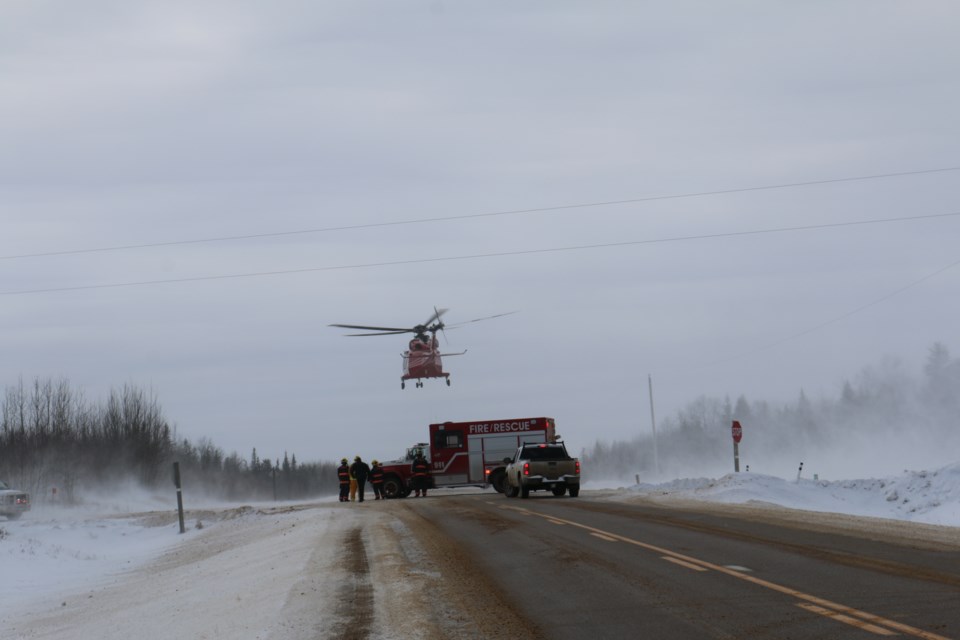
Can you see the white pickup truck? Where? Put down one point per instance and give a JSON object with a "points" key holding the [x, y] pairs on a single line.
{"points": [[13, 503], [542, 466]]}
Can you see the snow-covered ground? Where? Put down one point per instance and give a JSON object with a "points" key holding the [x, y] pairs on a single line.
{"points": [[931, 497], [69, 573]]}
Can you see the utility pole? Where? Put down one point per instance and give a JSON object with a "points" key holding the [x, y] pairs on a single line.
{"points": [[653, 426]]}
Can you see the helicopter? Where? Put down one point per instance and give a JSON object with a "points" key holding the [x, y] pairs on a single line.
{"points": [[422, 359]]}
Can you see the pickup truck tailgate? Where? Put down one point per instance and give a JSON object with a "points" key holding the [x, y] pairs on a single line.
{"points": [[553, 469]]}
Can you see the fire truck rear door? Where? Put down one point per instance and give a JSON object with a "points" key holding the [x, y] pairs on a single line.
{"points": [[486, 450]]}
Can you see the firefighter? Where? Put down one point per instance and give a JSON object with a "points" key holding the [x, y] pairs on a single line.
{"points": [[376, 479], [343, 474], [359, 470], [420, 470]]}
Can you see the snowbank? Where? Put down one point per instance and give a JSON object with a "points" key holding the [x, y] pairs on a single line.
{"points": [[931, 497]]}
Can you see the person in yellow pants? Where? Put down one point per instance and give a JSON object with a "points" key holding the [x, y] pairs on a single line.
{"points": [[353, 487]]}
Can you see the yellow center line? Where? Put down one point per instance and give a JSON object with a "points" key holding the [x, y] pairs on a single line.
{"points": [[683, 563], [860, 624], [800, 595], [603, 537]]}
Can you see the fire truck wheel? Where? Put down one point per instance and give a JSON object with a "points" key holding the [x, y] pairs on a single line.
{"points": [[574, 492], [559, 490], [392, 487], [448, 382], [403, 385]]}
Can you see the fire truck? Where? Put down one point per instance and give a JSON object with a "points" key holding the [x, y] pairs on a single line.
{"points": [[467, 454]]}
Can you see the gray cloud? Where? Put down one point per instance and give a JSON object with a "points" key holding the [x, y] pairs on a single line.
{"points": [[129, 124]]}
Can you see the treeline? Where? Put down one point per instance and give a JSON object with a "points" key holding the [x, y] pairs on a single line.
{"points": [[51, 438], [886, 417]]}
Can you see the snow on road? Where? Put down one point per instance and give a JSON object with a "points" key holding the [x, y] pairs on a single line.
{"points": [[314, 570], [83, 578], [298, 571]]}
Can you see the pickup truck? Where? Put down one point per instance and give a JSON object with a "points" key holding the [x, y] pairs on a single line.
{"points": [[13, 503], [542, 466]]}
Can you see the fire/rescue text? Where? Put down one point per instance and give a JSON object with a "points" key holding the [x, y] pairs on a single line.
{"points": [[500, 427]]}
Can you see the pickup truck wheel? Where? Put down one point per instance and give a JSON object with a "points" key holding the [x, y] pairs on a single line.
{"points": [[574, 492], [510, 491], [498, 479], [559, 490], [393, 487], [524, 492]]}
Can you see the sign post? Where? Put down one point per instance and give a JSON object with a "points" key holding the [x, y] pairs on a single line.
{"points": [[737, 431]]}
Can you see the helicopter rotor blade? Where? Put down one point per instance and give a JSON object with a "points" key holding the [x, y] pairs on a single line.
{"points": [[379, 333], [360, 326], [499, 315], [437, 313]]}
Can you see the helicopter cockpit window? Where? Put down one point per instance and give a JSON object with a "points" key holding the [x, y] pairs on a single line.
{"points": [[449, 439]]}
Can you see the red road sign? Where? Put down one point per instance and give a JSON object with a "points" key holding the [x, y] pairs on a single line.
{"points": [[737, 431]]}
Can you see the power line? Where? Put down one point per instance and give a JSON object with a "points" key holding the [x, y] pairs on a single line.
{"points": [[479, 256], [490, 214]]}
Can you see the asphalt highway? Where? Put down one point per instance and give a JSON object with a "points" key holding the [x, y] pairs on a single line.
{"points": [[592, 568]]}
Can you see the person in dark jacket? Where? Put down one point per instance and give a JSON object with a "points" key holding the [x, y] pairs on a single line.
{"points": [[343, 474], [376, 479], [420, 470], [360, 471]]}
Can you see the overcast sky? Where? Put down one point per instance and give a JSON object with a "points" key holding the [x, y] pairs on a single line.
{"points": [[173, 124]]}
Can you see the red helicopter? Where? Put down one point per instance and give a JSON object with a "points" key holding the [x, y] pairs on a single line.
{"points": [[422, 358]]}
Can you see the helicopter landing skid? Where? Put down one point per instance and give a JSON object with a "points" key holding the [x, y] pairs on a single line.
{"points": [[419, 382]]}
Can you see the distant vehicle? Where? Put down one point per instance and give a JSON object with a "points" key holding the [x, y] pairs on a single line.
{"points": [[542, 466], [422, 359], [13, 503], [466, 454]]}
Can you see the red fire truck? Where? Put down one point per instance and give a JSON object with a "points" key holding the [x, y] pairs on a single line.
{"points": [[467, 454]]}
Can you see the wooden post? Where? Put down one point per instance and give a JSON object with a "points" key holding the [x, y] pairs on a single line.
{"points": [[176, 482]]}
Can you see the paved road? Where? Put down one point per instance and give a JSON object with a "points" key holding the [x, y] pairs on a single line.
{"points": [[587, 568]]}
